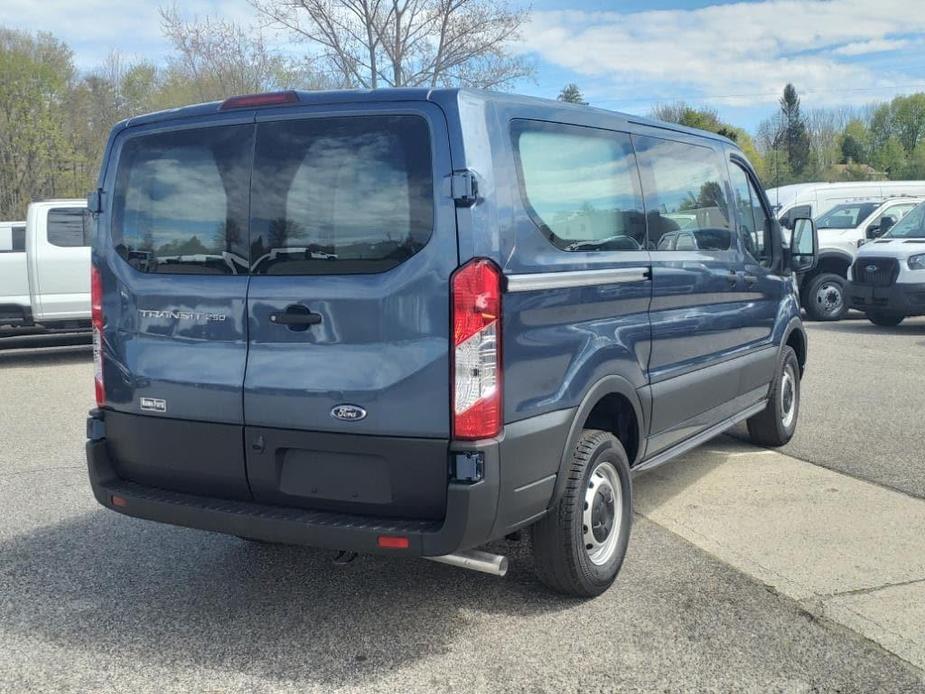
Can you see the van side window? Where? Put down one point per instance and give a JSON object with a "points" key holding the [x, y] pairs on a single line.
{"points": [[581, 186], [66, 227], [181, 198], [754, 224], [685, 194], [340, 195]]}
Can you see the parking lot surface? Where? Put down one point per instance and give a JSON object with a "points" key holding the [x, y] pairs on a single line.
{"points": [[93, 601]]}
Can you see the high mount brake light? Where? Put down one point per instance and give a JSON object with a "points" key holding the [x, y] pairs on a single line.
{"points": [[256, 100], [476, 289], [96, 320]]}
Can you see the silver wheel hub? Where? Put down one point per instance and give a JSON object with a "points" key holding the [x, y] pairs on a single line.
{"points": [[603, 513], [829, 297], [788, 396]]}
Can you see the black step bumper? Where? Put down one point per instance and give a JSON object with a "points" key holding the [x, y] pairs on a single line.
{"points": [[509, 496], [907, 299]]}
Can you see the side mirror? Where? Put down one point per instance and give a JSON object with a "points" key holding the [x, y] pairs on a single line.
{"points": [[873, 231], [805, 246], [885, 225]]}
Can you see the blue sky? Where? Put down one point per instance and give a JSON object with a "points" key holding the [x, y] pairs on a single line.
{"points": [[628, 55]]}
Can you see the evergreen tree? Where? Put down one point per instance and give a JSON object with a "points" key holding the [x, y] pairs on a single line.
{"points": [[793, 137], [571, 94]]}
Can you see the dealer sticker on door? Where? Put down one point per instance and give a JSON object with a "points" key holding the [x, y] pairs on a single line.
{"points": [[153, 404]]}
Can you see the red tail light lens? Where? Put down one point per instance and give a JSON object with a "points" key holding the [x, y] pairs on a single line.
{"points": [[477, 408], [96, 319]]}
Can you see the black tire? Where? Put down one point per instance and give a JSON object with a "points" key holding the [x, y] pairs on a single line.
{"points": [[561, 556], [775, 424], [885, 318], [825, 297]]}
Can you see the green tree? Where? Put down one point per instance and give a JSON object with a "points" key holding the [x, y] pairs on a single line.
{"points": [[793, 137], [36, 156], [891, 157], [571, 94], [855, 143]]}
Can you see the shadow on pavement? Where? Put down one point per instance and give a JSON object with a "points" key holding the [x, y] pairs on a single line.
{"points": [[169, 595], [46, 356]]}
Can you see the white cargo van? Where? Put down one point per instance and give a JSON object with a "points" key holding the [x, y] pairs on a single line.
{"points": [[822, 291], [815, 199], [45, 267]]}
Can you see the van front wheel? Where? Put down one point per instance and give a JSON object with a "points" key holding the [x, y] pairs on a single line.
{"points": [[775, 424], [825, 297], [578, 547]]}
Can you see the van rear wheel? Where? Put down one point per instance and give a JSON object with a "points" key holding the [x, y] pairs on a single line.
{"points": [[775, 424], [579, 546]]}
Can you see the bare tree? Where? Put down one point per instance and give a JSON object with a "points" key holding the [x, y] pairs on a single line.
{"points": [[408, 43], [219, 58]]}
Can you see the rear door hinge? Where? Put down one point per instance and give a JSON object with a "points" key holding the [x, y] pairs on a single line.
{"points": [[464, 188]]}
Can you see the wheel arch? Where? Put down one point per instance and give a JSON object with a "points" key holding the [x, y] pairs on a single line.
{"points": [[612, 404], [834, 262], [795, 337]]}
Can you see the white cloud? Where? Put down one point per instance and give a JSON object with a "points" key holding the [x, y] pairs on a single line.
{"points": [[873, 46], [736, 54], [96, 27]]}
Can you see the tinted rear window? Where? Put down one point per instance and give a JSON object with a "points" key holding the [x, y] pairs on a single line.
{"points": [[16, 242], [327, 196], [67, 227], [340, 195], [181, 201]]}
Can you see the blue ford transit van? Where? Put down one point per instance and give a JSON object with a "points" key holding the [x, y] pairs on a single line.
{"points": [[412, 321]]}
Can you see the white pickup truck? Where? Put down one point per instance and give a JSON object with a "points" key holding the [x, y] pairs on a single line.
{"points": [[45, 267]]}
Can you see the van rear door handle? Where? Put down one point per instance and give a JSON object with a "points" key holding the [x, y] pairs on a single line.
{"points": [[733, 278], [750, 280], [296, 317]]}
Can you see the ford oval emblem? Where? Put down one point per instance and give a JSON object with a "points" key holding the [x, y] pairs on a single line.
{"points": [[348, 413], [870, 268]]}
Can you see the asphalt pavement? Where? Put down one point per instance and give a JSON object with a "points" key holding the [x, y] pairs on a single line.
{"points": [[94, 601], [863, 402]]}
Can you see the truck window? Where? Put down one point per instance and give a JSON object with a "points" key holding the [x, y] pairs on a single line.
{"points": [[581, 186], [16, 242], [180, 201], [66, 227], [340, 195], [846, 216], [684, 188]]}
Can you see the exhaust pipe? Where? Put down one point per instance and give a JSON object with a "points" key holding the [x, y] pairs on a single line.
{"points": [[486, 562]]}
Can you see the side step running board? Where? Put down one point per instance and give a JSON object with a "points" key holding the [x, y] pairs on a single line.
{"points": [[699, 439]]}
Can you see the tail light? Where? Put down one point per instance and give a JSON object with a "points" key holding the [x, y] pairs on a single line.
{"points": [[96, 319], [477, 407]]}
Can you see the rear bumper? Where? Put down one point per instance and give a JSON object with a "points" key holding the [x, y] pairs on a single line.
{"points": [[907, 299], [519, 476]]}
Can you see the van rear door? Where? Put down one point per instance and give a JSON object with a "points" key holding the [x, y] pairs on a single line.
{"points": [[174, 271], [353, 241]]}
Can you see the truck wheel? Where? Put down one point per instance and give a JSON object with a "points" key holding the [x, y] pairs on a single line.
{"points": [[578, 547], [885, 318], [825, 297], [775, 424]]}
